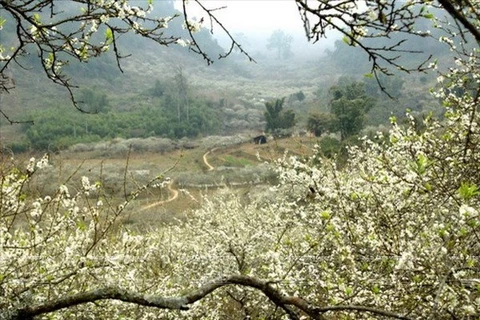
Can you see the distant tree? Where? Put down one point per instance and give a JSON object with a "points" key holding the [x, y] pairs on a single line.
{"points": [[281, 43], [393, 85], [349, 105], [93, 101], [297, 96], [158, 88], [181, 91], [278, 118], [300, 95], [321, 122]]}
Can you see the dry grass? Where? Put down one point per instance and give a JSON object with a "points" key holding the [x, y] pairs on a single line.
{"points": [[239, 165]]}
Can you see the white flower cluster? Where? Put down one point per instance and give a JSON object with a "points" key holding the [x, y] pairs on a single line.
{"points": [[192, 25]]}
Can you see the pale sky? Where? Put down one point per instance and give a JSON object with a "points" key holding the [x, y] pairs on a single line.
{"points": [[254, 16], [256, 20]]}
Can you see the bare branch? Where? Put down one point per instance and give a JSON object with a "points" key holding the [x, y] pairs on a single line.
{"points": [[196, 48], [457, 14], [15, 121], [234, 43], [183, 302]]}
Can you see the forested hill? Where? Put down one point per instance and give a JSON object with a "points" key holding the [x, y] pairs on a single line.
{"points": [[172, 92]]}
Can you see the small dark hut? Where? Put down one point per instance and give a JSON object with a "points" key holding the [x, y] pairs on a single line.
{"points": [[260, 139]]}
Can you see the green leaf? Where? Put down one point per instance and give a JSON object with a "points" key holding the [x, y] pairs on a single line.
{"points": [[368, 75], [422, 164], [467, 191], [429, 15], [36, 18], [108, 36], [346, 40], [81, 225], [325, 215], [471, 263]]}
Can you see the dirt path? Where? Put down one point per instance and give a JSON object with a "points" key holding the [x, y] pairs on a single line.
{"points": [[174, 192], [210, 167], [174, 195]]}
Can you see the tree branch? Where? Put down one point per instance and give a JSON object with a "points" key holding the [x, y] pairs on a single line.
{"points": [[457, 15], [183, 302]]}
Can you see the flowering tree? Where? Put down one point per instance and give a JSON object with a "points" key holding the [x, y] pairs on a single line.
{"points": [[61, 31], [395, 22], [392, 234]]}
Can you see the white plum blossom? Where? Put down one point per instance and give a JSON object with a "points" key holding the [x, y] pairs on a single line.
{"points": [[182, 42]]}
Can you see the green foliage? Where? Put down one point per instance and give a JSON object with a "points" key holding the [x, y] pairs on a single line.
{"points": [[330, 147], [56, 128], [18, 147], [392, 85], [468, 191], [297, 96], [321, 122], [349, 105], [93, 101], [348, 59], [278, 118], [232, 161], [158, 88]]}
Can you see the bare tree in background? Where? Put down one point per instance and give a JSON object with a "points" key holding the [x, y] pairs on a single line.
{"points": [[280, 42]]}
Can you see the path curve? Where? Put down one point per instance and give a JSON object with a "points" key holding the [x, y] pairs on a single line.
{"points": [[210, 167], [174, 192], [174, 195]]}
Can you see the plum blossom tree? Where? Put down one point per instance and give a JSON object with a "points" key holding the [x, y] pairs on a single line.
{"points": [[393, 234], [59, 32], [395, 22]]}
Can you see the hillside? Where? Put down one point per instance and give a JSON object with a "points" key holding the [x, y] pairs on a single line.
{"points": [[225, 98]]}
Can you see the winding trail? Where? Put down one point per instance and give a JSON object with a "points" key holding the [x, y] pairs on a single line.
{"points": [[174, 192], [210, 167], [174, 195]]}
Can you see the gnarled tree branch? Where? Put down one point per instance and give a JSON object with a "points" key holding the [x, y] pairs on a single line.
{"points": [[183, 302]]}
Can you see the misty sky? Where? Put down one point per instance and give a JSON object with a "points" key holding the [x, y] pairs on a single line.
{"points": [[253, 16], [256, 20]]}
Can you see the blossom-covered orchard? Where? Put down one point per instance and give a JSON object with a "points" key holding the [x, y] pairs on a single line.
{"points": [[394, 233]]}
